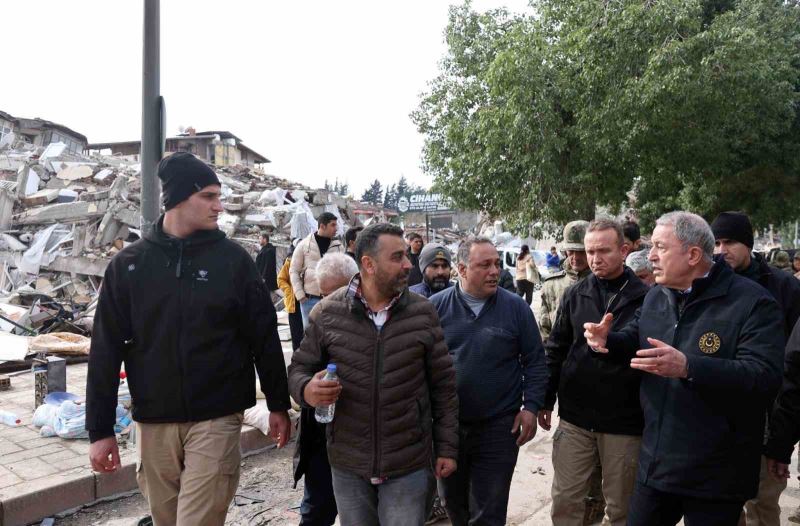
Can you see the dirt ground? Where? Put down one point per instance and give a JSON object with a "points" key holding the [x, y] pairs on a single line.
{"points": [[266, 496]]}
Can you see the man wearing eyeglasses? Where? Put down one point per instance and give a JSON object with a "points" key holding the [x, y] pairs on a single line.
{"points": [[598, 395]]}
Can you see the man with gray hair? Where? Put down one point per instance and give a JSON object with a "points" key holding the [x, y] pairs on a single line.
{"points": [[334, 271], [639, 263], [318, 507], [710, 343]]}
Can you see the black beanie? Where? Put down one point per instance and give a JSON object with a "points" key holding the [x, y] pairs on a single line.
{"points": [[183, 174], [733, 225]]}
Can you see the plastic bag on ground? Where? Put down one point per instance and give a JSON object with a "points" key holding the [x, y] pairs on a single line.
{"points": [[258, 417]]}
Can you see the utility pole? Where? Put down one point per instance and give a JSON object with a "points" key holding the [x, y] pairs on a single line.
{"points": [[152, 147]]}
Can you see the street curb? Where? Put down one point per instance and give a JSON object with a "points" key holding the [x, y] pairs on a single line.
{"points": [[74, 494]]}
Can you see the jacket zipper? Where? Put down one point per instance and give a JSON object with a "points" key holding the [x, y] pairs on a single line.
{"points": [[664, 398], [179, 353], [376, 401]]}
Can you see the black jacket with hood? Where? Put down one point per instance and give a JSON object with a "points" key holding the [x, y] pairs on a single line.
{"points": [[784, 287], [190, 318]]}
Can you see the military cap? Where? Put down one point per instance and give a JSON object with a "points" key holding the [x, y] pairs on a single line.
{"points": [[782, 260], [574, 233]]}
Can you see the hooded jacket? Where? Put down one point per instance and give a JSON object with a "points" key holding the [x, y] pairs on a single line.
{"points": [[189, 318]]}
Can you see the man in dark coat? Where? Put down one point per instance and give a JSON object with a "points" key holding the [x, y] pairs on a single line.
{"points": [[186, 311], [711, 345], [415, 245], [267, 264], [785, 422], [733, 235], [598, 395]]}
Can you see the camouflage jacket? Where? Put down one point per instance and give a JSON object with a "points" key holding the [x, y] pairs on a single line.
{"points": [[552, 290]]}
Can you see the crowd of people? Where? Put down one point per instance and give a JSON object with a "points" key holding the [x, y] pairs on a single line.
{"points": [[674, 367]]}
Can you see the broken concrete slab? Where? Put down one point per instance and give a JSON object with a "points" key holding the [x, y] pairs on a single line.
{"points": [[54, 149], [6, 208], [81, 265], [27, 181], [95, 196], [128, 217], [104, 175], [42, 197], [75, 173], [77, 211]]}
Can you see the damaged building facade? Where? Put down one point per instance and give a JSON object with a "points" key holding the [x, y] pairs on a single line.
{"points": [[220, 148]]}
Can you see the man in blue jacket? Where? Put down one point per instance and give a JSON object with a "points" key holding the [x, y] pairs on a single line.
{"points": [[501, 379], [711, 345]]}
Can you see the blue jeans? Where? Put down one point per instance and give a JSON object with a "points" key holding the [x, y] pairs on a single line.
{"points": [[477, 493], [305, 309], [400, 501], [319, 506]]}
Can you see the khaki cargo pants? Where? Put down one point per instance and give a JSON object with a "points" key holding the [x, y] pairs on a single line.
{"points": [[189, 472], [575, 452], [764, 510]]}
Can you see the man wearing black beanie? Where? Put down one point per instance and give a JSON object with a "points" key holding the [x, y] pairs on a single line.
{"points": [[733, 238], [187, 312]]}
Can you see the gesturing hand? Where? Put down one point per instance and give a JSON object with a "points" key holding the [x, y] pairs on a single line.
{"points": [[596, 334], [320, 392], [663, 360]]}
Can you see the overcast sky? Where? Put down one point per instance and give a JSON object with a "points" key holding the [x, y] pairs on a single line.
{"points": [[321, 88]]}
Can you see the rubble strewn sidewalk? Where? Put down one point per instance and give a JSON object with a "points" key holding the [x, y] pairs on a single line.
{"points": [[43, 476]]}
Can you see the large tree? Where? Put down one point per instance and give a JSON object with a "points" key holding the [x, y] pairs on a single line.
{"points": [[689, 103]]}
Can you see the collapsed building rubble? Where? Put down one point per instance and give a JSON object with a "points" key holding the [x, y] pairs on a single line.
{"points": [[63, 216]]}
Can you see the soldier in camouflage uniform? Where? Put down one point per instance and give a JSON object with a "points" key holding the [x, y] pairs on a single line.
{"points": [[575, 268]]}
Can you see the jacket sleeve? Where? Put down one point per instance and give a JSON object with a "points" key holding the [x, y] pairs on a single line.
{"points": [[545, 323], [260, 326], [624, 343], [784, 424], [284, 282], [441, 376], [307, 360], [758, 364], [532, 359], [556, 349], [296, 269], [112, 331], [793, 304]]}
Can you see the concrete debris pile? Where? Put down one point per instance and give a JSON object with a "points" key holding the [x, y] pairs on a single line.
{"points": [[64, 216]]}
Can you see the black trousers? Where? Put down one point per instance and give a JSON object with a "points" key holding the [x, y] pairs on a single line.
{"points": [[296, 326], [650, 507], [319, 505], [525, 290]]}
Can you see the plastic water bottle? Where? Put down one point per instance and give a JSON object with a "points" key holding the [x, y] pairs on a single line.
{"points": [[324, 413], [10, 419]]}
